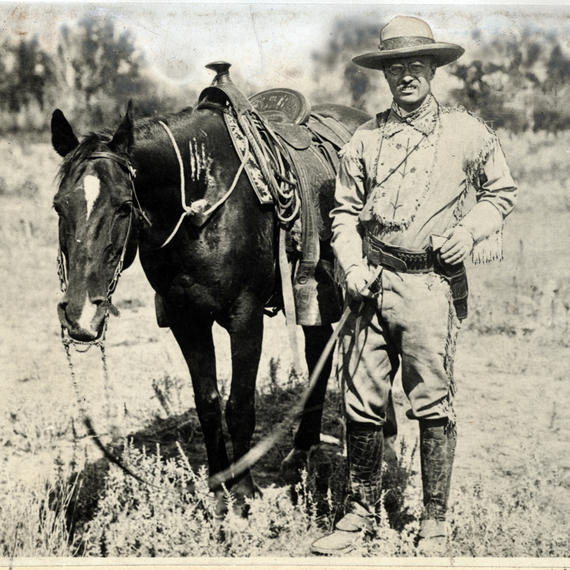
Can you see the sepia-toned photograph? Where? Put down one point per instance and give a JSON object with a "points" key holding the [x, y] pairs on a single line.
{"points": [[284, 282]]}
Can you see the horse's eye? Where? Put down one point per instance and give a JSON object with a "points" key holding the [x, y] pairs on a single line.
{"points": [[125, 208]]}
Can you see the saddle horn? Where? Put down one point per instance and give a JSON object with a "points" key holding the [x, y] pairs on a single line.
{"points": [[222, 69]]}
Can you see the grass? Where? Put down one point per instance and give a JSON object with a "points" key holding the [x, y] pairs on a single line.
{"points": [[59, 497], [171, 514]]}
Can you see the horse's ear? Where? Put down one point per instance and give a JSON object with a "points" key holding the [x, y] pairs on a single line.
{"points": [[124, 138], [63, 138]]}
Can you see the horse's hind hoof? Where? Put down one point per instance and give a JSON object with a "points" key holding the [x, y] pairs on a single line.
{"points": [[221, 505], [293, 465]]}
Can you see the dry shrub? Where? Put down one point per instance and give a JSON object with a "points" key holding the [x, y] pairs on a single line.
{"points": [[33, 521], [172, 514]]}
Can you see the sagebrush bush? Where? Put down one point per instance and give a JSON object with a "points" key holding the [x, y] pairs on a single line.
{"points": [[173, 514], [34, 520]]}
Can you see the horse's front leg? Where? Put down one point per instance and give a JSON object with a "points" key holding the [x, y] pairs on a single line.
{"points": [[245, 327], [197, 345]]}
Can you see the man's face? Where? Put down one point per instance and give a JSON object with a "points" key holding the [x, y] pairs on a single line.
{"points": [[409, 80]]}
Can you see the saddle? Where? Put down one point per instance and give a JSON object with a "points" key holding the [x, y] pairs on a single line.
{"points": [[292, 166]]}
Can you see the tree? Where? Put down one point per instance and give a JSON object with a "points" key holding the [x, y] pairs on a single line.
{"points": [[26, 76], [337, 78], [519, 82], [99, 69]]}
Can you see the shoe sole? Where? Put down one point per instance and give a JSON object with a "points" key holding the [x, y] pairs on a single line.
{"points": [[331, 552]]}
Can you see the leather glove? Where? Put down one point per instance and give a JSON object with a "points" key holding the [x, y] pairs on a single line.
{"points": [[458, 246], [357, 280]]}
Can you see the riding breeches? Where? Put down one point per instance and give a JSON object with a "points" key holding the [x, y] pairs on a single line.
{"points": [[411, 322]]}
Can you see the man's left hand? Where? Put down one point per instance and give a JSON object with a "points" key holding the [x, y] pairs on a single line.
{"points": [[458, 246]]}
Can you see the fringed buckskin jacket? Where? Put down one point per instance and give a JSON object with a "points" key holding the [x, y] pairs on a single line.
{"points": [[405, 177]]}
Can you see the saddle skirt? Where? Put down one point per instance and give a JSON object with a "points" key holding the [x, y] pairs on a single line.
{"points": [[293, 167]]}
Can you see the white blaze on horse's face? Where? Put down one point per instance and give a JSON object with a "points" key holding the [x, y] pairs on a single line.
{"points": [[91, 186], [87, 313]]}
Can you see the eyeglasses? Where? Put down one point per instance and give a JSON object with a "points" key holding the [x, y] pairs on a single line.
{"points": [[414, 68]]}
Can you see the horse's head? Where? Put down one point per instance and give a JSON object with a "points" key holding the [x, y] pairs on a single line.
{"points": [[97, 233]]}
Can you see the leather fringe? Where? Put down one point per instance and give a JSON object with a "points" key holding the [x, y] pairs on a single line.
{"points": [[488, 249], [453, 326]]}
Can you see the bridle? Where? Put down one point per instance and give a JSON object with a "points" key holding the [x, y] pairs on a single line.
{"points": [[84, 346], [61, 265]]}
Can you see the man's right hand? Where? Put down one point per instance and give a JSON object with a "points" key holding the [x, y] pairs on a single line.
{"points": [[357, 281]]}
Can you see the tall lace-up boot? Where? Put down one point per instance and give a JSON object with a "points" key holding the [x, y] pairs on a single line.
{"points": [[364, 445], [437, 448]]}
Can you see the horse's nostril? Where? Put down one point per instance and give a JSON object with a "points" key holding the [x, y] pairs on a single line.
{"points": [[62, 313]]}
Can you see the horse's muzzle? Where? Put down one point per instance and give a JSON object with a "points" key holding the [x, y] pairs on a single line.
{"points": [[85, 324]]}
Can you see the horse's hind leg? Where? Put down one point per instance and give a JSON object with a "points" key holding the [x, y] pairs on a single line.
{"points": [[246, 332], [309, 430], [197, 346]]}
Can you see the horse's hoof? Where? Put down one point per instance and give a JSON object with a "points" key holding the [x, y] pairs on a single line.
{"points": [[221, 504], [293, 465], [229, 502]]}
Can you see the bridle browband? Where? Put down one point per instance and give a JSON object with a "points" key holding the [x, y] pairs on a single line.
{"points": [[124, 162]]}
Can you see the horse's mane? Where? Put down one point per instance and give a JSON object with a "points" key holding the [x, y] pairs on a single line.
{"points": [[145, 129]]}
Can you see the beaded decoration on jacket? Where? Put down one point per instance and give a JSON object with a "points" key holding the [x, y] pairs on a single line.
{"points": [[402, 171]]}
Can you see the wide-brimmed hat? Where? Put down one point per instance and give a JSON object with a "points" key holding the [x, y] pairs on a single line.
{"points": [[406, 36]]}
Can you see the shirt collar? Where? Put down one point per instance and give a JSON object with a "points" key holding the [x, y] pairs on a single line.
{"points": [[422, 119]]}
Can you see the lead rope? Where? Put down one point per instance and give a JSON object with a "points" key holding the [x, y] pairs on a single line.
{"points": [[265, 444], [83, 347], [197, 208]]}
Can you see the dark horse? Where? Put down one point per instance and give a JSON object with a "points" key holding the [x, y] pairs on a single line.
{"points": [[224, 271]]}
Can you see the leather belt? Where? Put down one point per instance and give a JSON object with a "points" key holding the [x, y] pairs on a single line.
{"points": [[408, 261], [397, 258]]}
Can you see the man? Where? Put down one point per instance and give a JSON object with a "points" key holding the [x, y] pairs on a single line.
{"points": [[419, 189]]}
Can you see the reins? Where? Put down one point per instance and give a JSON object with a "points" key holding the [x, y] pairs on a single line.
{"points": [[261, 448]]}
